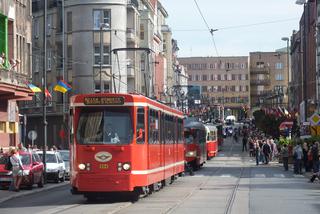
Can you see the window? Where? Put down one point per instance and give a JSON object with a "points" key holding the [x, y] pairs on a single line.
{"points": [[69, 56], [49, 24], [36, 26], [142, 33], [69, 21], [140, 125], [204, 89], [101, 17], [106, 54], [211, 77], [229, 77], [243, 65], [279, 77], [260, 64], [233, 77], [190, 77], [197, 77], [279, 65], [153, 127], [204, 77], [105, 126]]}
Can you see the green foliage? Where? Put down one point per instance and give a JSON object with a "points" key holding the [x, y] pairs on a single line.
{"points": [[269, 124], [285, 141]]}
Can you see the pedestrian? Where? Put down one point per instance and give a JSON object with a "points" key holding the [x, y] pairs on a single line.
{"points": [[305, 150], [257, 152], [244, 143], [285, 156], [21, 147], [266, 151], [1, 150], [17, 169], [315, 158], [298, 156]]}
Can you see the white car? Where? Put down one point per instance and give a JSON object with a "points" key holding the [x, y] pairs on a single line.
{"points": [[55, 168], [65, 154]]}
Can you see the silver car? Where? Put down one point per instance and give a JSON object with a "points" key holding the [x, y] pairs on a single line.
{"points": [[65, 154]]}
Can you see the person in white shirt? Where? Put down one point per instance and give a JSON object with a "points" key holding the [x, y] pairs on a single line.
{"points": [[17, 169]]}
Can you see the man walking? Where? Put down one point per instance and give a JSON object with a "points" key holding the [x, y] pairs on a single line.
{"points": [[266, 151], [315, 158]]}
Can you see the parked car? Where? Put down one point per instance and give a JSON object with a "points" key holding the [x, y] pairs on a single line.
{"points": [[32, 174], [65, 154], [55, 169]]}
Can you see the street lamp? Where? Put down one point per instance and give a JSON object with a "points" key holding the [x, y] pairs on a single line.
{"points": [[288, 65], [103, 26]]}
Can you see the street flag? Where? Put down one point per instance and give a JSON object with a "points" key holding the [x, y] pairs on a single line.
{"points": [[62, 87], [47, 94], [34, 88]]}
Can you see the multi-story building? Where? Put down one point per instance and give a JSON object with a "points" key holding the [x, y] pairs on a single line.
{"points": [[15, 67], [295, 86], [127, 34], [223, 81], [269, 77]]}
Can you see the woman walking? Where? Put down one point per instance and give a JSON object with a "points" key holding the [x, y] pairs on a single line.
{"points": [[17, 169]]}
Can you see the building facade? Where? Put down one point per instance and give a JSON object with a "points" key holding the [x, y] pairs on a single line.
{"points": [[15, 68], [223, 81], [269, 76]]}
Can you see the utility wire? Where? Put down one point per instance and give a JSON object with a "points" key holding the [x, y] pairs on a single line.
{"points": [[243, 26], [209, 29]]}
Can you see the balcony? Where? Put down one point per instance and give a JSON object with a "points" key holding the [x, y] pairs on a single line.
{"points": [[13, 78], [256, 70], [260, 82], [131, 35]]}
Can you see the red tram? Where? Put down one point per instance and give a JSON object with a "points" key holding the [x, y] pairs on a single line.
{"points": [[196, 148], [123, 143], [212, 141]]}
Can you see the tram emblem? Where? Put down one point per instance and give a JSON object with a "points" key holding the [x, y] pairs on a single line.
{"points": [[103, 156]]}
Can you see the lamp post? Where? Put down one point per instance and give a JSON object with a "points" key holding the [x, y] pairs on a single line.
{"points": [[103, 26], [304, 52], [288, 66], [44, 86]]}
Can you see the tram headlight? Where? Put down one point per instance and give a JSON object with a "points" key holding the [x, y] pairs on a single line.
{"points": [[191, 154], [82, 166], [126, 166]]}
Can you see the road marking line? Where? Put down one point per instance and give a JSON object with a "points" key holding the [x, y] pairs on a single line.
{"points": [[298, 176], [279, 175], [260, 175], [226, 176]]}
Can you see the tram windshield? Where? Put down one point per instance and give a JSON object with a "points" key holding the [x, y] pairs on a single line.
{"points": [[189, 137], [105, 126]]}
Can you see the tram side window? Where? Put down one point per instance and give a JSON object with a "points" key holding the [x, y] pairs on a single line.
{"points": [[180, 130], [153, 127], [140, 125]]}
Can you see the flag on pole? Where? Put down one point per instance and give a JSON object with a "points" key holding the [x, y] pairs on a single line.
{"points": [[48, 94], [34, 88], [62, 87]]}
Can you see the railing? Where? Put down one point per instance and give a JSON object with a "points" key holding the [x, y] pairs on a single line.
{"points": [[256, 70], [260, 82], [13, 77]]}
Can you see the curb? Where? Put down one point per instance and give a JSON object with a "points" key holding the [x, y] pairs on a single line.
{"points": [[30, 192]]}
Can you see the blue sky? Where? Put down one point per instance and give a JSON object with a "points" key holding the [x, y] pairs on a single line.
{"points": [[193, 39]]}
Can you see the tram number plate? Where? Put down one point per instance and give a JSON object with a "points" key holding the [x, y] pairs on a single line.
{"points": [[103, 166]]}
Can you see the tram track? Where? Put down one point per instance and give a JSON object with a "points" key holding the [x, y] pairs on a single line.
{"points": [[233, 194], [202, 185]]}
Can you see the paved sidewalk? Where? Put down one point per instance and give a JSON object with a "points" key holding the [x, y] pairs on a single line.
{"points": [[8, 195]]}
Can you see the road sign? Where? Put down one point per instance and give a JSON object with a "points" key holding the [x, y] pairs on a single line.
{"points": [[315, 119], [315, 130], [32, 135]]}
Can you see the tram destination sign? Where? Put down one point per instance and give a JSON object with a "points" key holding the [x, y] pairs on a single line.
{"points": [[103, 100]]}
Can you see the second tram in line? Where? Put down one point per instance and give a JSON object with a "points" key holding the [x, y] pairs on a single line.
{"points": [[123, 143]]}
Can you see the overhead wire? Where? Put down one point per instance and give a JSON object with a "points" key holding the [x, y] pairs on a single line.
{"points": [[242, 26], [209, 29]]}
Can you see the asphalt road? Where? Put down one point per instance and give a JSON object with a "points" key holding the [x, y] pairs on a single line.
{"points": [[229, 183]]}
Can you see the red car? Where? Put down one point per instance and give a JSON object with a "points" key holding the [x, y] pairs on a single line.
{"points": [[32, 174]]}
